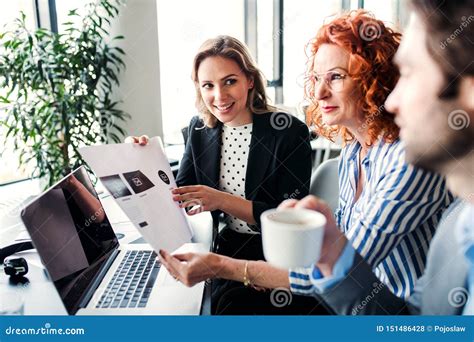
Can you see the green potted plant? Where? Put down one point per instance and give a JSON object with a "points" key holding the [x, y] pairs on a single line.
{"points": [[56, 89]]}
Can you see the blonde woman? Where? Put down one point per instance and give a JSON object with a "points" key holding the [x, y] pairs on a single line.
{"points": [[242, 156]]}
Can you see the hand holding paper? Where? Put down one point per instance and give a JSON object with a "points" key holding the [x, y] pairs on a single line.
{"points": [[140, 180]]}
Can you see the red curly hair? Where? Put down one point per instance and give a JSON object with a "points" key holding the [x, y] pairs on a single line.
{"points": [[371, 46]]}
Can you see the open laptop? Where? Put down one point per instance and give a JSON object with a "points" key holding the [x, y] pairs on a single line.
{"points": [[92, 272]]}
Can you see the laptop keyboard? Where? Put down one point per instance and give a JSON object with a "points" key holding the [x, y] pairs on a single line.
{"points": [[131, 285]]}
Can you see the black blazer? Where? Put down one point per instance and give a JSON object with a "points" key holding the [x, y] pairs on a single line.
{"points": [[278, 167]]}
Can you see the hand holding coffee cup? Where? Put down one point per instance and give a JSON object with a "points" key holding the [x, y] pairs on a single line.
{"points": [[292, 237], [334, 240]]}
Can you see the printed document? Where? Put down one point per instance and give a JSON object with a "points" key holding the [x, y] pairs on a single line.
{"points": [[140, 180]]}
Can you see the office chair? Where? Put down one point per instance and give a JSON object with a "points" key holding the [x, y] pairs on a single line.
{"points": [[325, 183]]}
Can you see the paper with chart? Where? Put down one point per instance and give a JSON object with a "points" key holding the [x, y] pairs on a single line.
{"points": [[140, 180]]}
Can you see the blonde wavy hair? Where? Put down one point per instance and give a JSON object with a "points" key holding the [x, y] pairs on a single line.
{"points": [[231, 48]]}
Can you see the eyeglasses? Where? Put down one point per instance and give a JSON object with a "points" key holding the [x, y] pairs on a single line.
{"points": [[333, 79]]}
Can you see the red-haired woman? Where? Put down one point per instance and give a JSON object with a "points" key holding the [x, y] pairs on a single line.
{"points": [[388, 209]]}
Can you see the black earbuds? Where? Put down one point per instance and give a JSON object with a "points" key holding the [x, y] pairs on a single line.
{"points": [[15, 267]]}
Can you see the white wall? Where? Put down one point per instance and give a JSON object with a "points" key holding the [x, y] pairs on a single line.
{"points": [[183, 26], [140, 82]]}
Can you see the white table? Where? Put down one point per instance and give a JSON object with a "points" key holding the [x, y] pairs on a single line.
{"points": [[40, 295]]}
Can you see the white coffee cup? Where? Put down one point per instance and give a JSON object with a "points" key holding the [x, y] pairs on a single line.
{"points": [[292, 237]]}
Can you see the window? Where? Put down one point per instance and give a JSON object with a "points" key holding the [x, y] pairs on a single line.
{"points": [[181, 33], [9, 169], [9, 13], [184, 24], [302, 19], [64, 6], [182, 27], [387, 11], [267, 38], [392, 12]]}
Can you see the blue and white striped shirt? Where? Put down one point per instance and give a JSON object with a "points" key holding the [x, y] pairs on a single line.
{"points": [[394, 219], [465, 236]]}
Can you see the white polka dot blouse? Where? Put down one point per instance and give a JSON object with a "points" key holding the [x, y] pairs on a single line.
{"points": [[233, 167]]}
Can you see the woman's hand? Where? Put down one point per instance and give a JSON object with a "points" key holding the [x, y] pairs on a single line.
{"points": [[334, 240], [313, 203], [190, 268], [208, 199], [141, 140]]}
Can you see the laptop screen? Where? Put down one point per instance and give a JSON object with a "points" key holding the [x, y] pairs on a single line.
{"points": [[71, 232]]}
